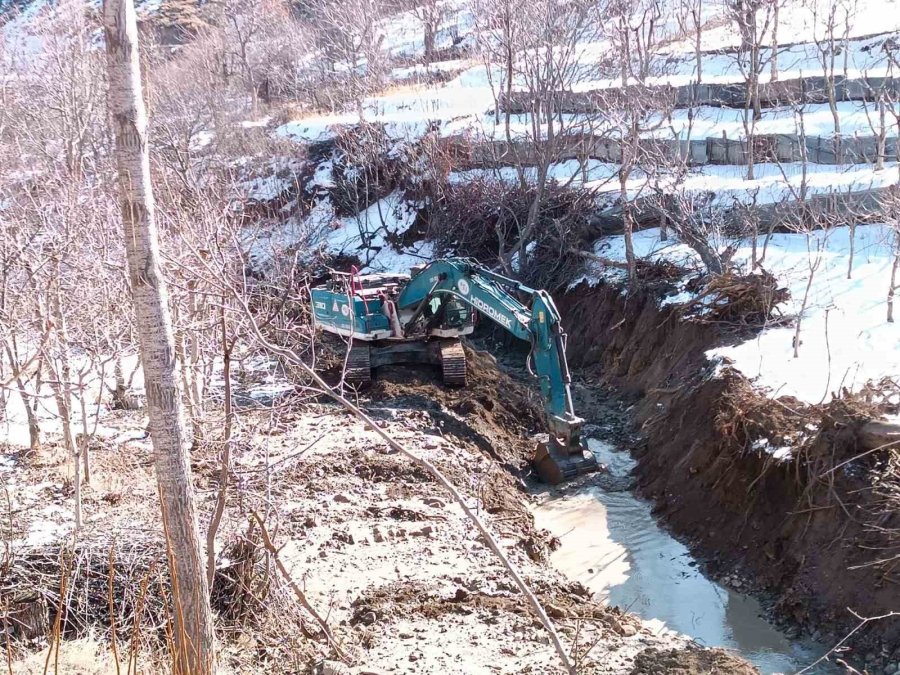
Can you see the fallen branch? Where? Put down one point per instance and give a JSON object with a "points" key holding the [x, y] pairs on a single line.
{"points": [[301, 596], [877, 435], [863, 622], [290, 357], [593, 257]]}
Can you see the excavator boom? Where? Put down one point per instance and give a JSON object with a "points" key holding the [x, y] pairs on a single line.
{"points": [[419, 319], [496, 297]]}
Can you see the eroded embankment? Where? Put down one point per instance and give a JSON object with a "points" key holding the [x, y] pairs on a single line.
{"points": [[809, 531]]}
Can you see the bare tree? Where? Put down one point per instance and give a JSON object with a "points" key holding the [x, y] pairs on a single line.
{"points": [[893, 212], [431, 13], [348, 35], [252, 32], [828, 13], [637, 110], [754, 19], [689, 14], [194, 633]]}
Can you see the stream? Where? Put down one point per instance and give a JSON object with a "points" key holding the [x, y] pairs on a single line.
{"points": [[611, 543]]}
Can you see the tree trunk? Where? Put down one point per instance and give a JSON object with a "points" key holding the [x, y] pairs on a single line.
{"points": [[193, 622], [628, 227], [61, 383], [774, 72], [852, 227], [429, 40], [882, 134], [664, 220], [893, 286], [34, 429], [698, 43], [225, 465]]}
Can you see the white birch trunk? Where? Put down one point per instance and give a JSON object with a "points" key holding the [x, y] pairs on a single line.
{"points": [[194, 636]]}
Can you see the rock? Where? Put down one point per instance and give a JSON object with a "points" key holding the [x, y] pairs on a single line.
{"points": [[555, 611], [892, 668], [405, 636], [424, 532], [341, 498], [343, 538], [415, 656], [367, 618], [433, 501], [377, 535], [628, 630], [461, 595], [334, 668]]}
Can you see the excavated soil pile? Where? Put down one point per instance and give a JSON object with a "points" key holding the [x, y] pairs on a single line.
{"points": [[811, 529], [497, 413], [653, 661]]}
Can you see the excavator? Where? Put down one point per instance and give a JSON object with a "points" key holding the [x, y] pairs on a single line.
{"points": [[420, 317]]}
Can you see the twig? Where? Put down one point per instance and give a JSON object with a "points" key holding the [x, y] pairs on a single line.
{"points": [[112, 608], [301, 596], [863, 622]]}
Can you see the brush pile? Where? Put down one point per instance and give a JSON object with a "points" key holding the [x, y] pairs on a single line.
{"points": [[66, 591], [743, 301]]}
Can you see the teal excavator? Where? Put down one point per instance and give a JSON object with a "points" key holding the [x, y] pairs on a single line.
{"points": [[420, 317]]}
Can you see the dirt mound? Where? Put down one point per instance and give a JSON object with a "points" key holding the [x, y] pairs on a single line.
{"points": [[692, 661], [495, 412], [561, 603]]}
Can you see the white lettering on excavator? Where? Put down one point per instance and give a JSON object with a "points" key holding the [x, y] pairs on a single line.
{"points": [[321, 305], [485, 308]]}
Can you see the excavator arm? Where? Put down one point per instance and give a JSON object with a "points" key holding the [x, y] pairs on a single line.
{"points": [[497, 298]]}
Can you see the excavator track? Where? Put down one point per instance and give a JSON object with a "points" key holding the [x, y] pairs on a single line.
{"points": [[359, 366], [453, 363]]}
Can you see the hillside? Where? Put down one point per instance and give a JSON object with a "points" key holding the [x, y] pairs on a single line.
{"points": [[709, 190]]}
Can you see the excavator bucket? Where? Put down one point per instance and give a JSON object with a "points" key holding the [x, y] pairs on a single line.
{"points": [[557, 462]]}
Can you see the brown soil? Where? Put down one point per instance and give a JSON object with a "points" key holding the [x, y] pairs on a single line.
{"points": [[495, 415], [799, 529], [498, 413], [692, 661]]}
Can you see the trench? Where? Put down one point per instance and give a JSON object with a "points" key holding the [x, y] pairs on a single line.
{"points": [[612, 544]]}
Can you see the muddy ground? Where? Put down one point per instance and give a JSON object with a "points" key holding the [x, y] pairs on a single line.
{"points": [[373, 542]]}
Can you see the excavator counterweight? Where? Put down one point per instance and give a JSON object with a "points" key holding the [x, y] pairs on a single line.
{"points": [[420, 318]]}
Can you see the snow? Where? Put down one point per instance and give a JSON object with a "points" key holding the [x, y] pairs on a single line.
{"points": [[845, 339], [368, 234], [267, 188], [323, 176]]}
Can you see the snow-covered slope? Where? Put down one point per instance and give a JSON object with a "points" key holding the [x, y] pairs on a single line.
{"points": [[845, 338]]}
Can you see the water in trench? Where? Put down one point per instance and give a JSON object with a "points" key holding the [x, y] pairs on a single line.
{"points": [[612, 544]]}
